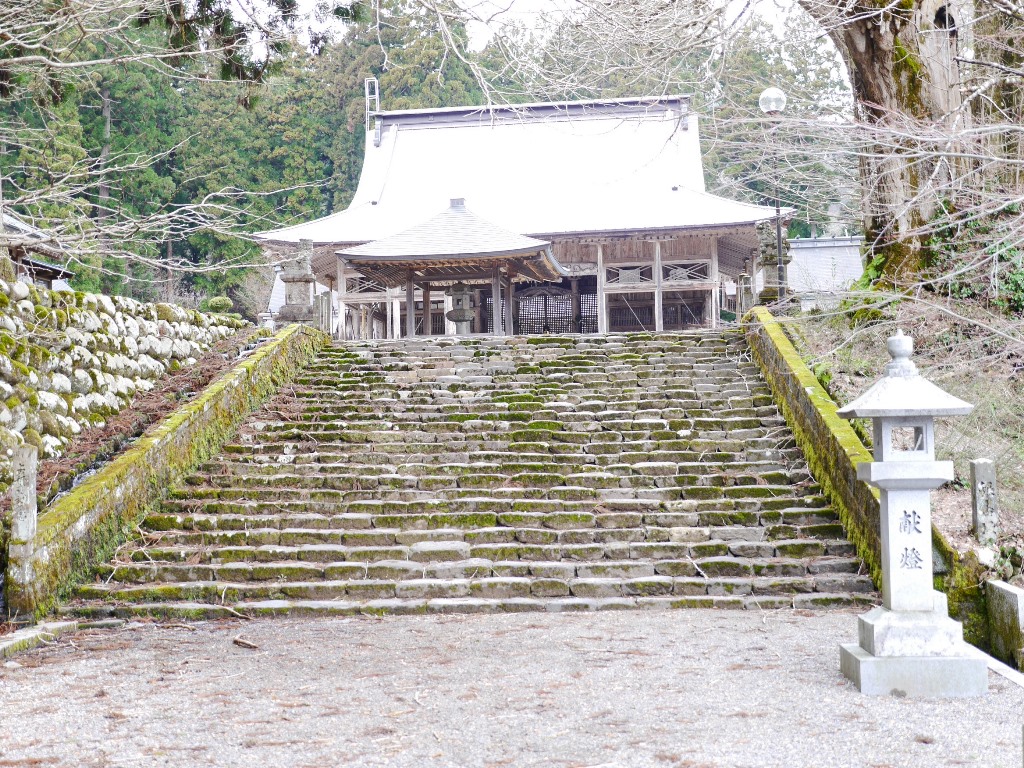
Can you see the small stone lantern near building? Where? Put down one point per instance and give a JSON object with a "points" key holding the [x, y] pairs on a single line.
{"points": [[299, 283], [908, 645], [461, 313]]}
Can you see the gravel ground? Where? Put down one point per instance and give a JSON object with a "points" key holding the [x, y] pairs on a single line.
{"points": [[679, 688]]}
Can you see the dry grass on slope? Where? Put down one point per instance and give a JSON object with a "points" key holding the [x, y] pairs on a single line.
{"points": [[970, 352]]}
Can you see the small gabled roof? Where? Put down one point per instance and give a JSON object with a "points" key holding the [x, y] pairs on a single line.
{"points": [[453, 244], [22, 238]]}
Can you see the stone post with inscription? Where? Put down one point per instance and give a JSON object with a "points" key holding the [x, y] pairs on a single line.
{"points": [[21, 548], [985, 505], [908, 645]]}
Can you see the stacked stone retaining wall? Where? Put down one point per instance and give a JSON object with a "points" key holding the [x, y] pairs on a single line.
{"points": [[71, 360], [84, 526]]}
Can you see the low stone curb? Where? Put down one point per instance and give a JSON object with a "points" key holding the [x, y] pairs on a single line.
{"points": [[1006, 621], [34, 636]]}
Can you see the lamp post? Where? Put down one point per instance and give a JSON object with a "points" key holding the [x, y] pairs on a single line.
{"points": [[772, 101]]}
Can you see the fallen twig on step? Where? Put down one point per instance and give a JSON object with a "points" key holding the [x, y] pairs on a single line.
{"points": [[241, 642]]}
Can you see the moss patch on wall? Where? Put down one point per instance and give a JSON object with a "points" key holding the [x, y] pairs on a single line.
{"points": [[84, 527], [832, 448]]}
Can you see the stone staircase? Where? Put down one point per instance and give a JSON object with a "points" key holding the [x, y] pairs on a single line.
{"points": [[485, 474]]}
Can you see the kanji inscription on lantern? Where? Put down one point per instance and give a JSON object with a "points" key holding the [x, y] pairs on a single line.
{"points": [[911, 559], [910, 523]]}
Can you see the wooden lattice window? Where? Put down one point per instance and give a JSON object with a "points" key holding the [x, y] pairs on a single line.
{"points": [[588, 312], [631, 317], [545, 310], [686, 270], [687, 314], [489, 314]]}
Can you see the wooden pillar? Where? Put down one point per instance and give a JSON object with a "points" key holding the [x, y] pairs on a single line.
{"points": [[428, 315], [481, 302], [389, 324], [396, 315], [342, 287], [602, 298], [496, 321], [659, 314], [449, 326], [410, 307], [574, 298], [716, 286], [510, 293]]}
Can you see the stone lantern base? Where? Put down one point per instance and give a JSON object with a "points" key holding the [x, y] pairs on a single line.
{"points": [[942, 664]]}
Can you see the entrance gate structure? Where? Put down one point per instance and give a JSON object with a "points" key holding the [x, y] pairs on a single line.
{"points": [[615, 188]]}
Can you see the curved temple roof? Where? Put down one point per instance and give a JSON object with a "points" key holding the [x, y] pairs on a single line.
{"points": [[573, 169], [455, 242]]}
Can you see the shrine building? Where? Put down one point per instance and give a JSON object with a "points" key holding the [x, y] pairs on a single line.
{"points": [[570, 217]]}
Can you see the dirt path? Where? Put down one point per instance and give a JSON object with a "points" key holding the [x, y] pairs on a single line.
{"points": [[681, 688]]}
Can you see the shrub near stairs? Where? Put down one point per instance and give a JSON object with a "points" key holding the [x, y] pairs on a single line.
{"points": [[485, 474]]}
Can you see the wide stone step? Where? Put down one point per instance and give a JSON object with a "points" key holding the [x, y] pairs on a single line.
{"points": [[496, 587], [643, 475], [539, 527], [462, 453], [362, 512], [268, 464], [221, 472], [184, 569], [427, 430], [573, 541], [396, 606]]}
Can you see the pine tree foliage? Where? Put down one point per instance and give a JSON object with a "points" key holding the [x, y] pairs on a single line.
{"points": [[151, 169]]}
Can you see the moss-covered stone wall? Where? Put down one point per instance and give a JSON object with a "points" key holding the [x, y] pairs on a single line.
{"points": [[833, 452], [84, 526], [832, 448], [71, 360]]}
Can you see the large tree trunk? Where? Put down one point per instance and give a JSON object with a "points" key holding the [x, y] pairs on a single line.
{"points": [[905, 84]]}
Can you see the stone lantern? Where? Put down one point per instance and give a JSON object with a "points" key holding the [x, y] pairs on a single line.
{"points": [[908, 645], [461, 312], [299, 283]]}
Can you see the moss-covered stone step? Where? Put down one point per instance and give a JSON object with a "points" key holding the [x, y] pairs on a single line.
{"points": [[490, 587], [254, 609], [361, 507], [600, 453], [243, 464], [554, 416], [626, 470]]}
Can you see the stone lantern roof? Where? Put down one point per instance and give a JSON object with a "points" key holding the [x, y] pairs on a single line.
{"points": [[903, 391]]}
